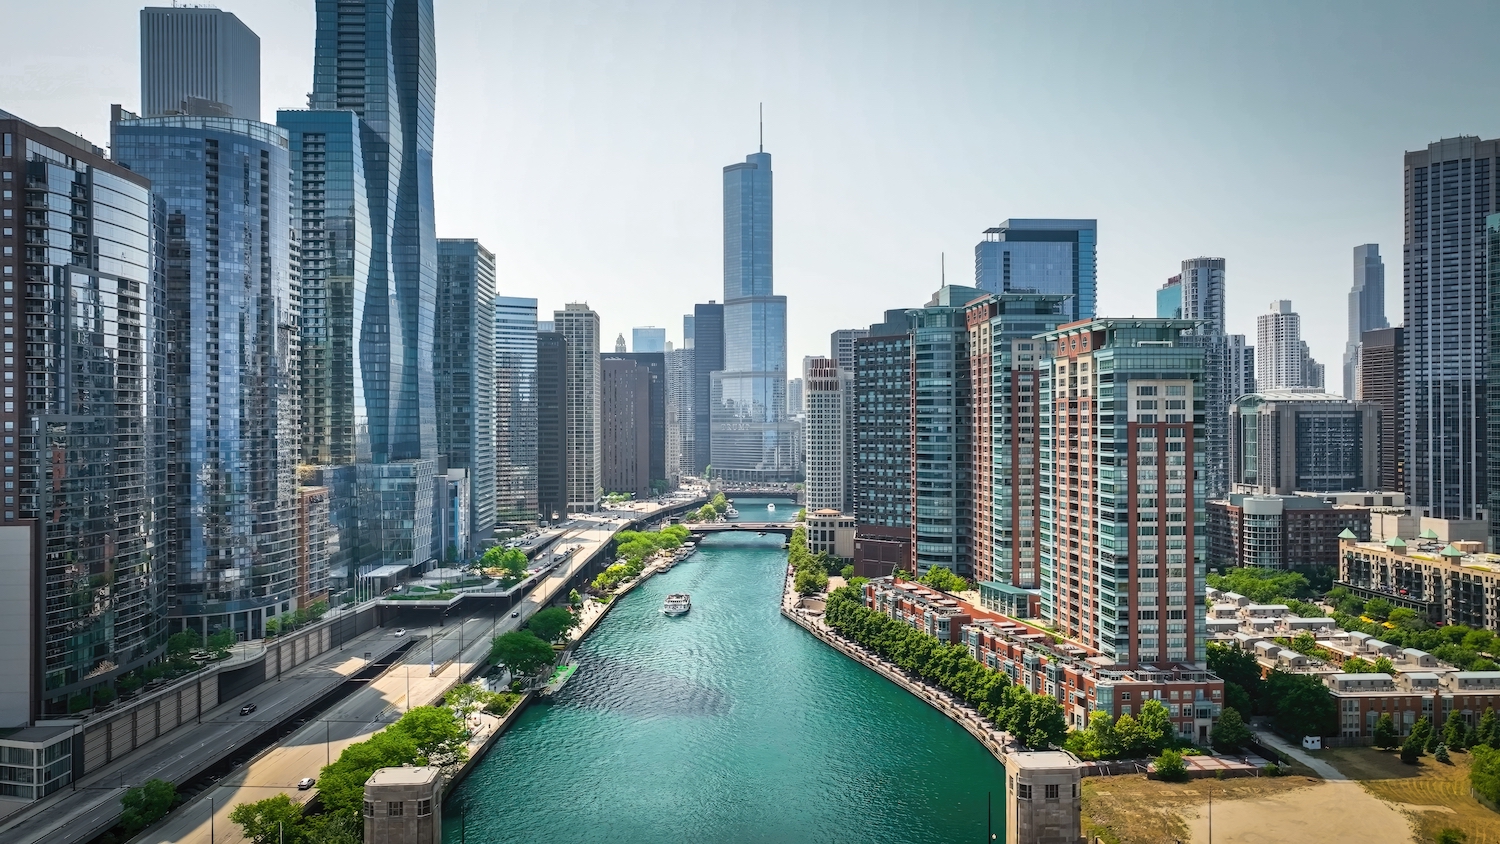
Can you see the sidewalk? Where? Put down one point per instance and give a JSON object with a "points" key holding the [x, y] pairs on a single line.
{"points": [[1319, 767]]}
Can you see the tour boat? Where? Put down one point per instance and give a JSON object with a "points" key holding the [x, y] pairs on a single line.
{"points": [[771, 507], [677, 603], [732, 513]]}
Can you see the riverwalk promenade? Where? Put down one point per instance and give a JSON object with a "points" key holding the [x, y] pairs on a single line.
{"points": [[996, 741]]}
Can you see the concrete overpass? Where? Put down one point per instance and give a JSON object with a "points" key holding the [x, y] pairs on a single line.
{"points": [[783, 528]]}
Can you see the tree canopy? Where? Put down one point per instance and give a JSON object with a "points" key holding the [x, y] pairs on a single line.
{"points": [[551, 623], [521, 652], [264, 821], [944, 579], [146, 804]]}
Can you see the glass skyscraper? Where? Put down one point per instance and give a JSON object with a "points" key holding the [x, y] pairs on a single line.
{"points": [[1040, 256], [86, 555], [465, 374], [752, 439], [231, 328], [378, 59], [515, 410]]}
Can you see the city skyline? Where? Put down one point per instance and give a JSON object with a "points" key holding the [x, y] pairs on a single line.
{"points": [[904, 223]]}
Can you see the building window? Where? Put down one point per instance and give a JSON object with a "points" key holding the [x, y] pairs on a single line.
{"points": [[394, 808], [1023, 791], [424, 808], [369, 808], [1049, 791]]}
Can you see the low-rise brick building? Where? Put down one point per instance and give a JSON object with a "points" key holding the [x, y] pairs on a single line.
{"points": [[1281, 531]]}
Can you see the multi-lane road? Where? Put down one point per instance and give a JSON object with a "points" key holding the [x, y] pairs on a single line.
{"points": [[454, 650]]}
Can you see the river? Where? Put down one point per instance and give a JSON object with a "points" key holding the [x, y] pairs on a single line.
{"points": [[727, 724]]}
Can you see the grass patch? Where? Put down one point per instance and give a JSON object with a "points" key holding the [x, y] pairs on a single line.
{"points": [[1435, 795], [1130, 809]]}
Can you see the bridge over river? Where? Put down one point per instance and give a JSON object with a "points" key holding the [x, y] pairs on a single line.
{"points": [[783, 528]]}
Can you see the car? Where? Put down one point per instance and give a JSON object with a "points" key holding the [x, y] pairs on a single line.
{"points": [[247, 709], [400, 631], [305, 783], [397, 588], [516, 614]]}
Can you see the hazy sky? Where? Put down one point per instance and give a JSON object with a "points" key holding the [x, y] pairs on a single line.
{"points": [[584, 142]]}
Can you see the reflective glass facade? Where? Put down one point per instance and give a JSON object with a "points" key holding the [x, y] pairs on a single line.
{"points": [[465, 374], [1041, 256], [232, 331], [752, 439], [515, 410], [83, 412]]}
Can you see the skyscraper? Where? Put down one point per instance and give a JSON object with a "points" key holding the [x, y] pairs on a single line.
{"points": [[553, 462], [841, 346], [1003, 362], [751, 436], [579, 326], [795, 404], [232, 325], [1492, 386], [1118, 451], [829, 392], [620, 348], [1040, 256], [680, 412], [655, 365], [1282, 360], [708, 358], [1379, 381], [648, 338], [942, 426], [1228, 364], [1304, 440], [1169, 299], [1451, 187], [377, 58], [625, 426], [198, 61], [1366, 308], [85, 508], [883, 438], [464, 374], [516, 426]]}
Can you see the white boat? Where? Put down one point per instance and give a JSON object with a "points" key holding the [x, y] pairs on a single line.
{"points": [[771, 507], [677, 603], [732, 513]]}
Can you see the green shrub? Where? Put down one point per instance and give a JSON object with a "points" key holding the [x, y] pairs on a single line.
{"points": [[1170, 767]]}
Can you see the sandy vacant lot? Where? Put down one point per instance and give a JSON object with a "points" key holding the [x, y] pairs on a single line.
{"points": [[1325, 811]]}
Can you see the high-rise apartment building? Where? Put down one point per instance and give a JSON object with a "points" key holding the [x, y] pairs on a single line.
{"points": [[648, 338], [553, 462], [1492, 385], [1169, 299], [1041, 256], [655, 365], [579, 326], [680, 394], [199, 61], [841, 346], [464, 374], [232, 333], [1304, 440], [795, 402], [1379, 382], [1366, 309], [1123, 519], [883, 444], [1003, 362], [86, 541], [1282, 360], [625, 426], [377, 58], [752, 439], [1228, 364], [942, 425], [689, 330], [708, 358], [1451, 187], [516, 427], [826, 434]]}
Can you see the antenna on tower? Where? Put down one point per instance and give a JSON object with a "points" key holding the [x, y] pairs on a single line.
{"points": [[762, 127], [943, 264]]}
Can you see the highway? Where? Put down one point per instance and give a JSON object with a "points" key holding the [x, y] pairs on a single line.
{"points": [[205, 820], [72, 817]]}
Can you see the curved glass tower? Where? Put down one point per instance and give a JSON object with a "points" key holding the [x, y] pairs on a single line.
{"points": [[751, 435]]}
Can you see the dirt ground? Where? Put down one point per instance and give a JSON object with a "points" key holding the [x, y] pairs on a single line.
{"points": [[1130, 809], [1434, 795]]}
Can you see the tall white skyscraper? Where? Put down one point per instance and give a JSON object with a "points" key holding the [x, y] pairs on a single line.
{"points": [[1366, 307], [1199, 295], [1281, 356], [828, 396], [515, 409], [579, 326]]}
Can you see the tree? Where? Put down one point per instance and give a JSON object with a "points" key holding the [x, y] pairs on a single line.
{"points": [[1237, 698], [1130, 737], [846, 572], [271, 820], [810, 581], [1411, 749], [508, 563], [183, 643], [1379, 609], [1449, 835], [222, 640], [1039, 722], [1100, 741], [1230, 734], [341, 786], [551, 623], [521, 652], [1301, 704], [575, 600], [1430, 738], [1385, 732], [1357, 665], [1156, 726], [1407, 619], [1485, 734], [1170, 768], [1484, 773], [439, 735], [1440, 753], [146, 804], [1383, 665], [1237, 667], [944, 580]]}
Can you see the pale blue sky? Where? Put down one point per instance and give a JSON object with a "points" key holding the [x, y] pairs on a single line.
{"points": [[583, 142]]}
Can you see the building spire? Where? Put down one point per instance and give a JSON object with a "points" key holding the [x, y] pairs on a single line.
{"points": [[762, 127], [943, 268]]}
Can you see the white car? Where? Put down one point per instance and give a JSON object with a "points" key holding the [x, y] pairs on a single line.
{"points": [[305, 783], [400, 631]]}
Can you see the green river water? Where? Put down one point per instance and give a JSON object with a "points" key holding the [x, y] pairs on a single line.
{"points": [[729, 724]]}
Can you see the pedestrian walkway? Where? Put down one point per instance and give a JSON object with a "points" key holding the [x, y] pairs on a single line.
{"points": [[1319, 767]]}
